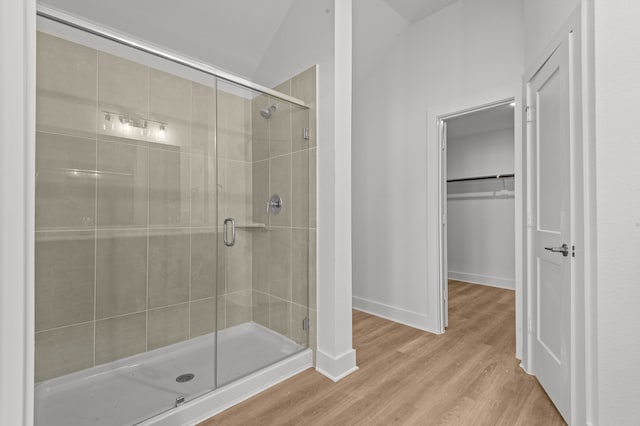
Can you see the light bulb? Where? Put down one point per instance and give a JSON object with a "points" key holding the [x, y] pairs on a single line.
{"points": [[162, 133], [107, 117]]}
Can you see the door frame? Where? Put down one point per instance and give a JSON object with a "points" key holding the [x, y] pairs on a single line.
{"points": [[437, 278], [442, 196], [578, 31]]}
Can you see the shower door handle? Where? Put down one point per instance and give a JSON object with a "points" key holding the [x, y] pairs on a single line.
{"points": [[233, 232]]}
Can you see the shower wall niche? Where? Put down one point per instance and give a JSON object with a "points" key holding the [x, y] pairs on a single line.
{"points": [[136, 171]]}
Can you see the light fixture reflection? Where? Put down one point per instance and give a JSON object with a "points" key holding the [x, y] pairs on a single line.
{"points": [[147, 129]]}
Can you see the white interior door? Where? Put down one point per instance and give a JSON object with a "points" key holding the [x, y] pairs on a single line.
{"points": [[444, 264], [549, 126]]}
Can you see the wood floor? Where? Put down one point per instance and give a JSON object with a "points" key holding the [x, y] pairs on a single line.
{"points": [[467, 376]]}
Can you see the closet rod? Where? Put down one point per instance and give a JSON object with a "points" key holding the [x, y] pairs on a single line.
{"points": [[481, 178]]}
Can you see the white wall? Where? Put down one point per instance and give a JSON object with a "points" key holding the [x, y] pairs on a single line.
{"points": [[375, 28], [542, 19], [481, 154], [306, 37], [472, 48], [481, 231], [617, 83]]}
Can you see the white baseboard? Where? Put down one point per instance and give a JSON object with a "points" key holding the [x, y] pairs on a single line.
{"points": [[336, 368], [525, 369], [392, 313], [505, 283]]}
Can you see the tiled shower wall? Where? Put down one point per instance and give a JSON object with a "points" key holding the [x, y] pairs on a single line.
{"points": [[126, 239], [284, 258]]}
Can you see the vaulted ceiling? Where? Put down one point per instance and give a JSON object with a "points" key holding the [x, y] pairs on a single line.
{"points": [[232, 35], [416, 10]]}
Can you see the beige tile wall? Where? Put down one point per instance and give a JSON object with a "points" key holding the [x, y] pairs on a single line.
{"points": [[284, 261], [126, 229], [126, 237]]}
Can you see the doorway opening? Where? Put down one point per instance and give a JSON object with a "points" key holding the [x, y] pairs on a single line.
{"points": [[477, 199]]}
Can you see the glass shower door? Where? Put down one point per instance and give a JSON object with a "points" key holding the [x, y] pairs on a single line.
{"points": [[126, 237], [263, 220]]}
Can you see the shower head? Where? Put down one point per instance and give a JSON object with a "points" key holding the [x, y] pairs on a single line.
{"points": [[266, 112]]}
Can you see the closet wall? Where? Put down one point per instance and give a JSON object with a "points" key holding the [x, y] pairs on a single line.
{"points": [[481, 226]]}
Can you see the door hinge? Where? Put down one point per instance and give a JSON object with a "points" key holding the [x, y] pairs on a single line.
{"points": [[305, 324], [444, 220], [531, 114], [573, 251], [305, 133]]}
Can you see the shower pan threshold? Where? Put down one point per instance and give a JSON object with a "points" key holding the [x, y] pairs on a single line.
{"points": [[133, 389]]}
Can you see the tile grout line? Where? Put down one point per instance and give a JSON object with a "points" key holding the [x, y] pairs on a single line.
{"points": [[120, 229], [95, 218], [253, 216], [159, 228], [146, 298], [291, 211], [190, 209], [121, 315], [281, 299], [216, 300], [268, 219]]}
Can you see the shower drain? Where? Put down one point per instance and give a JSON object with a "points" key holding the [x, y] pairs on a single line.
{"points": [[184, 377]]}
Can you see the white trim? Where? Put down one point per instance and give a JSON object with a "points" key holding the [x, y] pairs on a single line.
{"points": [[337, 378], [207, 406], [17, 161], [590, 243], [335, 356], [393, 313], [498, 282], [336, 368]]}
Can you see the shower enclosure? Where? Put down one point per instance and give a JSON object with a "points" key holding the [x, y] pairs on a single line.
{"points": [[172, 230]]}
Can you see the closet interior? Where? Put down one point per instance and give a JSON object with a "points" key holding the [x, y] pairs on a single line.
{"points": [[481, 197]]}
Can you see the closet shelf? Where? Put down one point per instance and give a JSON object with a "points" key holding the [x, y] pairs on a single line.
{"points": [[501, 176]]}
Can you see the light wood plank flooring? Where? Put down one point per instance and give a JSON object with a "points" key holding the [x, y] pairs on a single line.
{"points": [[467, 376]]}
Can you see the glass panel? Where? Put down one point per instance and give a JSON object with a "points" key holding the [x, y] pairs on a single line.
{"points": [[263, 205], [126, 237], [141, 301]]}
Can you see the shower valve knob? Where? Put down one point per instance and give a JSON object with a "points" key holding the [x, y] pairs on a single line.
{"points": [[274, 205]]}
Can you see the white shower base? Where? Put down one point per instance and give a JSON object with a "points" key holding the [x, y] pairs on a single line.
{"points": [[134, 389]]}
